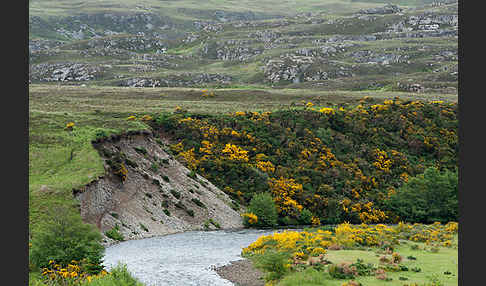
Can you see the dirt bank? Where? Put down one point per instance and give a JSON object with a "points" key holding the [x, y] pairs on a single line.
{"points": [[146, 192]]}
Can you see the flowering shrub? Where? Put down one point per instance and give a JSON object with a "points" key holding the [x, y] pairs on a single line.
{"points": [[341, 165], [350, 236], [70, 274], [146, 118], [69, 126], [207, 93], [250, 218]]}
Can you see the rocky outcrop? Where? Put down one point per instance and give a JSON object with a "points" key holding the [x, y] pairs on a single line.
{"points": [[146, 192], [369, 57], [132, 43], [306, 64], [410, 87], [182, 80], [297, 69], [387, 9], [64, 72]]}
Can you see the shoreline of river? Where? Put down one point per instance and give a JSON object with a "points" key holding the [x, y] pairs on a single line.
{"points": [[111, 242], [241, 273]]}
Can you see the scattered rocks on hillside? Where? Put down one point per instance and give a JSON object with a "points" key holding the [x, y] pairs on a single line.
{"points": [[43, 45], [369, 57], [181, 80], [64, 72], [209, 27], [261, 24], [264, 36], [387, 9], [427, 24], [296, 69], [414, 87]]}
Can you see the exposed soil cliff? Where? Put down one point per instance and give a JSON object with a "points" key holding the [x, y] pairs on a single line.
{"points": [[146, 192]]}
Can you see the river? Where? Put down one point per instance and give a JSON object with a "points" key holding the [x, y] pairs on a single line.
{"points": [[182, 259]]}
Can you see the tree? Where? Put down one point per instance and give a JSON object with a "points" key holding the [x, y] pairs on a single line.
{"points": [[426, 198], [263, 206], [64, 237]]}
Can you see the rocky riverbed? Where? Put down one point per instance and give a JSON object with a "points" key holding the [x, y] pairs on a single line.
{"points": [[241, 273]]}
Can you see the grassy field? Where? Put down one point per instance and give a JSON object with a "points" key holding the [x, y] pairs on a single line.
{"points": [[432, 265], [45, 8]]}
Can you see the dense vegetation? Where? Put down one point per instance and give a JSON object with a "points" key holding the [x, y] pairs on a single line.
{"points": [[66, 251], [341, 164]]}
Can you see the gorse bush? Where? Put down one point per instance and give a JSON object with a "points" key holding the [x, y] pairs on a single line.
{"points": [[340, 164], [64, 237], [263, 206]]}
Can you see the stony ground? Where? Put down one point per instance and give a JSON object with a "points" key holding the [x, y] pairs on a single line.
{"points": [[241, 273]]}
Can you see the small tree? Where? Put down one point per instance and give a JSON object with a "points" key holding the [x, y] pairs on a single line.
{"points": [[63, 237], [75, 140], [426, 198], [263, 206], [305, 216]]}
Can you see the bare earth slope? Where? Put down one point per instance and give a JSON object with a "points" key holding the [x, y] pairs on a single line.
{"points": [[156, 198]]}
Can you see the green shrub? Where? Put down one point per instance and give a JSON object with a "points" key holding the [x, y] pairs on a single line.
{"points": [[64, 237], [156, 182], [180, 205], [154, 167], [190, 212], [305, 216], [100, 133], [143, 227], [175, 193], [115, 234], [198, 203], [427, 198], [215, 223], [119, 276], [273, 263], [167, 212], [192, 175], [165, 178], [263, 206], [141, 150]]}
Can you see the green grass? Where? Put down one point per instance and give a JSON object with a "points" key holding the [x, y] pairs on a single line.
{"points": [[431, 264], [201, 10], [49, 153]]}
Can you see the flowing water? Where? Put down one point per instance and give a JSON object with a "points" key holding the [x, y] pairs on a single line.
{"points": [[182, 259]]}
